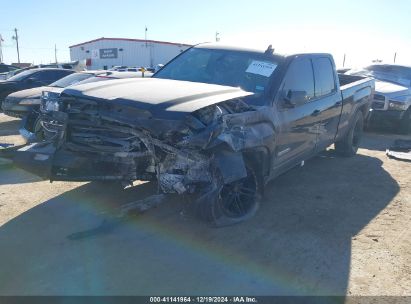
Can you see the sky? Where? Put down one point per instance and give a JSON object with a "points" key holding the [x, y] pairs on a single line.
{"points": [[363, 30]]}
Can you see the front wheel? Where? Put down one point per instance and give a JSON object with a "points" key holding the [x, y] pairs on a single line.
{"points": [[232, 203], [348, 146]]}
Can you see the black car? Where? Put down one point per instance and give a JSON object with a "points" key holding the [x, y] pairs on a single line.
{"points": [[7, 68], [30, 79]]}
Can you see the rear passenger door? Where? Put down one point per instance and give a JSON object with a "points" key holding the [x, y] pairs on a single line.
{"points": [[328, 101], [297, 136]]}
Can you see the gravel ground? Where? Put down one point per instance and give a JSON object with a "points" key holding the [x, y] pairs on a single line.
{"points": [[333, 227]]}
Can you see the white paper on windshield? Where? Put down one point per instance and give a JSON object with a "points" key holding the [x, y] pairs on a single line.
{"points": [[261, 68]]}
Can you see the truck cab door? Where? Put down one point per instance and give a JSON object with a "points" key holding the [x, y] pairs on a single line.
{"points": [[298, 125], [327, 99]]}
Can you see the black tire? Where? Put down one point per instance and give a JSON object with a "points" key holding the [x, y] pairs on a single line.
{"points": [[405, 123], [232, 203], [348, 146]]}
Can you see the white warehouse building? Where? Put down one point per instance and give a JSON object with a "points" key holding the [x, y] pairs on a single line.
{"points": [[104, 53]]}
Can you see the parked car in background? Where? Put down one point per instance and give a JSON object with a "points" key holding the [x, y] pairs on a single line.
{"points": [[31, 127], [23, 102], [217, 122], [30, 79], [120, 68], [123, 68], [77, 66], [391, 105], [6, 69], [343, 70], [158, 67]]}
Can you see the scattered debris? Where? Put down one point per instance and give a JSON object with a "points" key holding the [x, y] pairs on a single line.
{"points": [[143, 205], [400, 150], [108, 224]]}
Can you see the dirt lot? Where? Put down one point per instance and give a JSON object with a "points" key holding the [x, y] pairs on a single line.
{"points": [[336, 226]]}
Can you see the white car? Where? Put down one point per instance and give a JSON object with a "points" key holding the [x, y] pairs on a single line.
{"points": [[392, 99]]}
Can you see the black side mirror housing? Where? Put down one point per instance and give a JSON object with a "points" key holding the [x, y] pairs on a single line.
{"points": [[294, 98]]}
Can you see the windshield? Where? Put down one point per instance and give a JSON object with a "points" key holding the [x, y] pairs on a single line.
{"points": [[249, 71], [392, 73], [22, 75], [70, 80]]}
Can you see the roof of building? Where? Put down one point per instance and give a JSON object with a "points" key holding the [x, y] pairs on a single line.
{"points": [[128, 39]]}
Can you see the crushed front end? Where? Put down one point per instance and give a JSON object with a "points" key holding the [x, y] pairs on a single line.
{"points": [[102, 140]]}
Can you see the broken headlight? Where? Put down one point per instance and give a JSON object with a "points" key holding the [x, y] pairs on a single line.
{"points": [[399, 105], [50, 102]]}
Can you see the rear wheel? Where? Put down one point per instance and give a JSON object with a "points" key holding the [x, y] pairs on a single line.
{"points": [[348, 146], [232, 203]]}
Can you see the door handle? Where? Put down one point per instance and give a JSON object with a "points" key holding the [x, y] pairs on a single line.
{"points": [[338, 103], [315, 113]]}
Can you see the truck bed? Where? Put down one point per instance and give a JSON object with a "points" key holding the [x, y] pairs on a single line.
{"points": [[348, 79], [356, 93], [352, 85]]}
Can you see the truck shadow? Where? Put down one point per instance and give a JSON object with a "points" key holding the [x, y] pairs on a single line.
{"points": [[299, 242]]}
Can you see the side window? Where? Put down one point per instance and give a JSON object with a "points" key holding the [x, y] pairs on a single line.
{"points": [[298, 86], [50, 76], [60, 74], [324, 76]]}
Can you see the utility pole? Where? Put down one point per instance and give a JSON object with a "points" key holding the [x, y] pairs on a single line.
{"points": [[344, 60], [145, 35], [1, 50], [395, 56], [16, 37], [217, 39], [55, 52]]}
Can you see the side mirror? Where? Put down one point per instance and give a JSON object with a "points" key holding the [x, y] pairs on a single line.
{"points": [[294, 98]]}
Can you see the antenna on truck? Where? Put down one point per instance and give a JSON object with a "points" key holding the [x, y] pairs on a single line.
{"points": [[269, 50]]}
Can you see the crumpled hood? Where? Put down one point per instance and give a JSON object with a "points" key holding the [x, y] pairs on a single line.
{"points": [[29, 93], [34, 93], [163, 98], [390, 89]]}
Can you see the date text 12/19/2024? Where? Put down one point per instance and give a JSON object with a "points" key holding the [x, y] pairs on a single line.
{"points": [[239, 299]]}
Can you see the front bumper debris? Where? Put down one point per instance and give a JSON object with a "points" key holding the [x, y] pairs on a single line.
{"points": [[35, 158], [400, 150]]}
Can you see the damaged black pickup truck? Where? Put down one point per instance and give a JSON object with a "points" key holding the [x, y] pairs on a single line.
{"points": [[216, 123]]}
